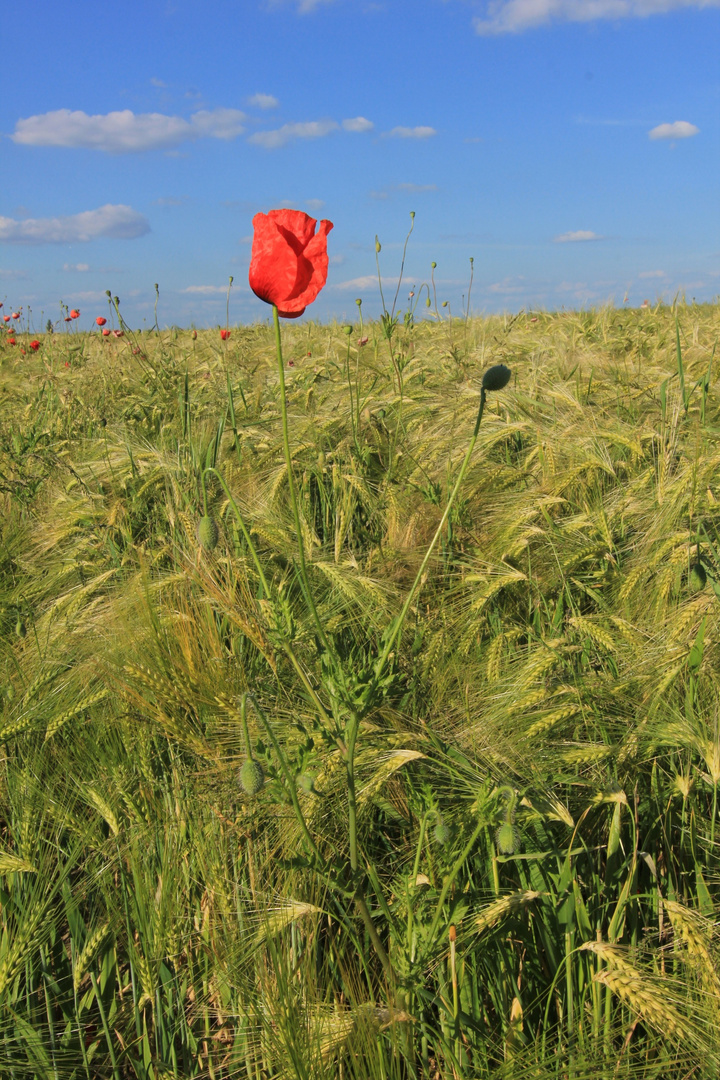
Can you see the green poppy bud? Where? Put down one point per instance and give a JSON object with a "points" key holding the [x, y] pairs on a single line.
{"points": [[698, 577], [506, 839], [378, 248], [496, 377], [427, 302], [433, 265], [359, 302], [20, 629], [207, 533], [442, 834], [251, 777], [348, 330]]}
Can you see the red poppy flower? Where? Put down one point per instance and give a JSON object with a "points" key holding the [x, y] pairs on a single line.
{"points": [[289, 262], [117, 333], [11, 341], [67, 363], [68, 318], [6, 318], [106, 333], [16, 314], [100, 321], [74, 314], [35, 345], [224, 334]]}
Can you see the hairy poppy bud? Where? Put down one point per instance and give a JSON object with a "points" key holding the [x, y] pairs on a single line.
{"points": [[442, 834], [496, 377], [378, 248], [506, 839], [207, 533], [251, 777], [698, 577]]}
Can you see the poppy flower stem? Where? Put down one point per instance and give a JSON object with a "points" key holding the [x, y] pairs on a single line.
{"points": [[304, 581], [395, 627]]}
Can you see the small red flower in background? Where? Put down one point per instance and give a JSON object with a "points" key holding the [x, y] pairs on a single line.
{"points": [[289, 262], [363, 340], [67, 363], [106, 333], [74, 314], [35, 345], [224, 334], [100, 321], [16, 314], [117, 333], [194, 335], [68, 318], [22, 351], [11, 341], [6, 318]]}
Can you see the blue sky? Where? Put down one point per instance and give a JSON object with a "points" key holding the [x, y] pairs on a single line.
{"points": [[571, 147]]}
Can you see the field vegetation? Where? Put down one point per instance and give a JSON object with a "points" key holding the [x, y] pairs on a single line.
{"points": [[335, 774]]}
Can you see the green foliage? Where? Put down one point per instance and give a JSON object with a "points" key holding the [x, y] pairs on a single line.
{"points": [[536, 745]]}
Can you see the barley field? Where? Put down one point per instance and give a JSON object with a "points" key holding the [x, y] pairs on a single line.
{"points": [[350, 771]]}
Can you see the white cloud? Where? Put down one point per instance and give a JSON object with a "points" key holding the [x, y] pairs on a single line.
{"points": [[167, 201], [158, 83], [580, 236], [406, 189], [263, 101], [652, 274], [76, 268], [312, 129], [681, 129], [411, 132], [12, 275], [206, 290], [125, 131], [116, 222], [358, 123], [365, 282], [315, 204], [514, 16]]}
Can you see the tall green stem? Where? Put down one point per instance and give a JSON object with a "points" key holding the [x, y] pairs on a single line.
{"points": [[305, 584], [398, 623]]}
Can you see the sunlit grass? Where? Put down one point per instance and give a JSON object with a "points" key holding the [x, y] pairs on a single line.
{"points": [[548, 733]]}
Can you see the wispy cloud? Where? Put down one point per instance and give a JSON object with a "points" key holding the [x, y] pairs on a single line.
{"points": [[263, 101], [169, 201], [420, 132], [314, 205], [579, 236], [515, 16], [116, 222], [76, 268], [406, 189], [358, 123], [126, 132], [205, 290], [681, 129], [367, 281], [652, 274], [312, 129]]}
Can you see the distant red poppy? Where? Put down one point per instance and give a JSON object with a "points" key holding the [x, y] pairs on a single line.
{"points": [[74, 314], [117, 333], [289, 262], [16, 314], [6, 318], [11, 341], [363, 340], [67, 363], [68, 318], [224, 334], [106, 333], [35, 345], [100, 320], [194, 335]]}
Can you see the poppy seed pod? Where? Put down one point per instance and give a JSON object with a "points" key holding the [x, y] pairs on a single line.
{"points": [[251, 777], [496, 377]]}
